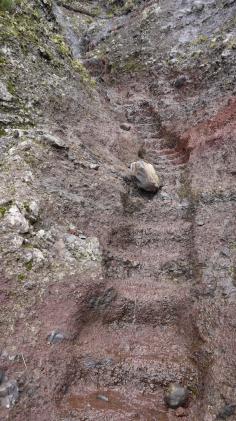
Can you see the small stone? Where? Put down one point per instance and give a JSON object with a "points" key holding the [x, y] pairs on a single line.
{"points": [[180, 412], [94, 166], [225, 252], [180, 81], [54, 141], [125, 126], [226, 412], [200, 223], [103, 398], [176, 395], [17, 134], [145, 176], [55, 337], [29, 285]]}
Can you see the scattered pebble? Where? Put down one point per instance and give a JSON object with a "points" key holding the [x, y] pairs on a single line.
{"points": [[29, 285], [176, 395], [125, 126], [225, 252], [103, 398], [94, 166], [55, 337], [200, 223], [180, 81]]}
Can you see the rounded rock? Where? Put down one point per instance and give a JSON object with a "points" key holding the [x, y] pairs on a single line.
{"points": [[176, 395], [125, 126], [180, 81]]}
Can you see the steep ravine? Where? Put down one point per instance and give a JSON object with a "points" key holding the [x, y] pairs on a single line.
{"points": [[110, 294]]}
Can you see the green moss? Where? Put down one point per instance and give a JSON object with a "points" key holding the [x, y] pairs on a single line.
{"points": [[63, 48], [2, 132], [26, 206], [117, 8], [21, 26], [88, 20], [200, 40], [29, 265], [3, 60], [21, 277], [213, 43], [5, 207], [84, 74], [11, 87], [196, 54], [96, 11], [6, 5], [31, 160], [131, 65], [3, 210], [129, 5], [45, 53]]}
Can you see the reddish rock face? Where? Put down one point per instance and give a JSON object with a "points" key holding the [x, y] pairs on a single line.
{"points": [[114, 294], [218, 129]]}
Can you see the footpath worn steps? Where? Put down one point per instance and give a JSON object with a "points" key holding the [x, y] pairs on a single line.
{"points": [[149, 301], [145, 356], [124, 370], [136, 340]]}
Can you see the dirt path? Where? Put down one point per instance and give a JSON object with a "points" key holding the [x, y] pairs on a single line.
{"points": [[141, 341]]}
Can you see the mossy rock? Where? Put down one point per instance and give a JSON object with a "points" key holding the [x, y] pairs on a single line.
{"points": [[63, 48], [83, 72], [6, 5]]}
